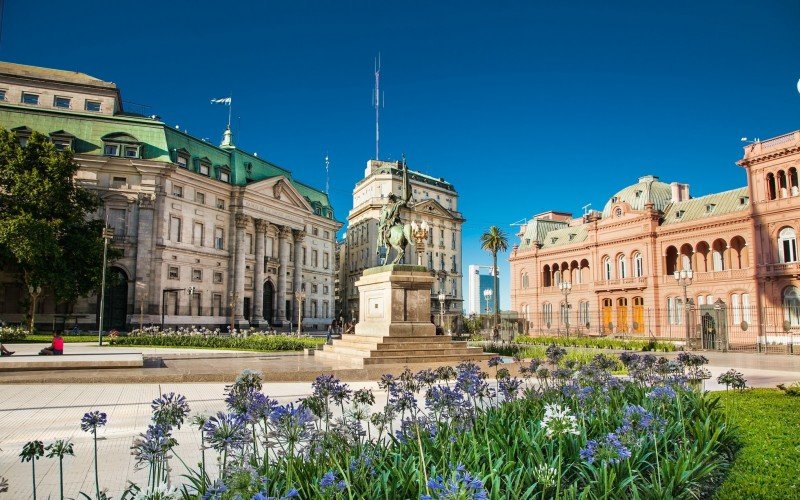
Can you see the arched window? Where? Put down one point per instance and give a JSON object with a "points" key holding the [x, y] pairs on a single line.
{"points": [[782, 183], [717, 255], [787, 245], [607, 268], [557, 278], [546, 277], [793, 181], [638, 265], [621, 266], [791, 305], [770, 186]]}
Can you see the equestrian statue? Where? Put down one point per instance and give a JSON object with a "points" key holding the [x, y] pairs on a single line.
{"points": [[392, 231]]}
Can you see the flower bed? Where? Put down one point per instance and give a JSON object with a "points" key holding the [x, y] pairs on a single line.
{"points": [[598, 343], [448, 433], [10, 334], [266, 343]]}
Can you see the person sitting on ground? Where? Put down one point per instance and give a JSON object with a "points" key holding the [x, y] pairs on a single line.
{"points": [[56, 348], [4, 351]]}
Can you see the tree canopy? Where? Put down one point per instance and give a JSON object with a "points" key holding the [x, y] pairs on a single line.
{"points": [[48, 235]]}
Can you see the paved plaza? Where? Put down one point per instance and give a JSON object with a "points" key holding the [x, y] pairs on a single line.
{"points": [[49, 411]]}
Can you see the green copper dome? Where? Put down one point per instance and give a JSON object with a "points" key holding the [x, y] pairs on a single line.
{"points": [[648, 190]]}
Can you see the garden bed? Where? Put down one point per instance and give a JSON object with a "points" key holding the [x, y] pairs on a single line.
{"points": [[599, 343], [261, 343]]}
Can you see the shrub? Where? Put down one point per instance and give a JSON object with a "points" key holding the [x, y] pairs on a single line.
{"points": [[251, 343], [12, 334], [599, 343], [792, 390]]}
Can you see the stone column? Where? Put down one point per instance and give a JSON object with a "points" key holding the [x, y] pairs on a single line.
{"points": [[238, 274], [297, 279], [258, 273], [283, 264]]}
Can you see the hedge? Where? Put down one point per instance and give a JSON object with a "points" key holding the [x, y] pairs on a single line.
{"points": [[253, 343], [599, 343]]}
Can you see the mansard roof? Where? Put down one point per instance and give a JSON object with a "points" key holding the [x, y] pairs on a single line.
{"points": [[703, 207]]}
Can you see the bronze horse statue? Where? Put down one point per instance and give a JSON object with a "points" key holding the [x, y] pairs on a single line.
{"points": [[398, 236]]}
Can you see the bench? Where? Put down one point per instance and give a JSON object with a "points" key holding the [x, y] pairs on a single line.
{"points": [[23, 362]]}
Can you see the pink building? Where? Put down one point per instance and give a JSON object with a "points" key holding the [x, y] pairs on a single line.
{"points": [[615, 271]]}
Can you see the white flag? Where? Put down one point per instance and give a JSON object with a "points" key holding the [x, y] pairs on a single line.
{"points": [[224, 100]]}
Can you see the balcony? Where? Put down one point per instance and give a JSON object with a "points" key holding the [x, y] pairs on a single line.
{"points": [[711, 276], [621, 284], [780, 269]]}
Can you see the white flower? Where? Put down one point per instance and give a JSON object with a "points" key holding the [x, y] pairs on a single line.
{"points": [[557, 421], [161, 492], [545, 475]]}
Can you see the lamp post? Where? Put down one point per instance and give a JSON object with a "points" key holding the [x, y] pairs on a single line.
{"points": [[420, 235], [487, 294], [566, 288], [684, 279], [442, 298], [300, 295], [107, 235], [233, 296], [35, 292]]}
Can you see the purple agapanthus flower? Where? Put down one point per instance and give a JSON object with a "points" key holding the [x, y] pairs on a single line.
{"points": [[170, 410], [92, 420], [462, 485], [607, 450]]}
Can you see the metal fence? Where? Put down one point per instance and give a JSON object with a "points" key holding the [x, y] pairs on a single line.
{"points": [[713, 327]]}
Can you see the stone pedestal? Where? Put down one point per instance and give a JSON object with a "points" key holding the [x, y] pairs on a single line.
{"points": [[395, 301], [395, 325]]}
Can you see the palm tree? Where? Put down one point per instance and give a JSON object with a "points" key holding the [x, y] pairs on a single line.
{"points": [[494, 240]]}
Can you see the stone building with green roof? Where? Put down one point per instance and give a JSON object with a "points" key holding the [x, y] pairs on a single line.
{"points": [[239, 232]]}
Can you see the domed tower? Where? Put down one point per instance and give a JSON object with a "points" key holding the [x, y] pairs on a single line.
{"points": [[648, 190]]}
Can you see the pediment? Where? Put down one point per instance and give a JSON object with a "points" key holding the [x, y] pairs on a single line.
{"points": [[431, 207], [280, 189]]}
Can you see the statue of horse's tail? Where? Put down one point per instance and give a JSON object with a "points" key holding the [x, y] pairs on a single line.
{"points": [[407, 233]]}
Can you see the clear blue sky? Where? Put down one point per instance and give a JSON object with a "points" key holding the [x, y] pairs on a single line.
{"points": [[524, 108]]}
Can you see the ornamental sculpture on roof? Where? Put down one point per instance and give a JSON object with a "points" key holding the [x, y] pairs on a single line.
{"points": [[392, 231]]}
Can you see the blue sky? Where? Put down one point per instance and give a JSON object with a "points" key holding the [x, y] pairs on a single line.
{"points": [[524, 107]]}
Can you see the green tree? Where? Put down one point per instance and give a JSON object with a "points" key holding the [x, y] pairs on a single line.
{"points": [[48, 235], [494, 240]]}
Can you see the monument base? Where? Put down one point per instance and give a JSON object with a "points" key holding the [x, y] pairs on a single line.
{"points": [[395, 325]]}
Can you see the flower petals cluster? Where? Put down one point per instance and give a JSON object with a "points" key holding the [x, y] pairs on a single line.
{"points": [[92, 420], [558, 421]]}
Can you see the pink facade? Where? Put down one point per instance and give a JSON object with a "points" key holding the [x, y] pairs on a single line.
{"points": [[620, 263]]}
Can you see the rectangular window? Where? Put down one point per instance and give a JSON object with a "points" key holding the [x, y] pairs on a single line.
{"points": [[93, 106], [116, 220], [217, 277], [62, 145], [62, 102], [28, 98], [326, 260], [183, 161], [224, 176], [200, 198], [291, 252], [216, 305], [118, 182], [197, 275], [314, 231], [314, 258], [219, 241], [268, 247], [327, 235], [325, 289], [175, 229], [453, 241], [131, 151], [197, 234], [196, 301], [220, 204], [314, 288], [173, 273], [2, 95], [249, 242], [111, 150], [304, 256], [177, 191], [205, 168]]}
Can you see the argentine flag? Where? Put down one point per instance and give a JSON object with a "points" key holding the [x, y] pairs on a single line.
{"points": [[224, 100]]}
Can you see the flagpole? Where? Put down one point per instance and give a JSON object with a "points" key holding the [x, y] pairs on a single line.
{"points": [[230, 107]]}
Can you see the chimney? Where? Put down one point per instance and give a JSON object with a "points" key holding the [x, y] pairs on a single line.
{"points": [[680, 192]]}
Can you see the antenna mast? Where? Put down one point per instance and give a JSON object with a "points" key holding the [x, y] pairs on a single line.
{"points": [[327, 173], [377, 103]]}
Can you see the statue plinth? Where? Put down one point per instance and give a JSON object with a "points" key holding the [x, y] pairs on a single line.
{"points": [[395, 300], [395, 325]]}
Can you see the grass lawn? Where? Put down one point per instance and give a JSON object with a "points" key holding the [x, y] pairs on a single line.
{"points": [[46, 338], [767, 464]]}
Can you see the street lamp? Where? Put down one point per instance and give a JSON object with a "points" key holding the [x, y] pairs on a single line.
{"points": [[420, 235], [487, 294], [300, 295], [684, 279], [233, 296], [107, 235], [566, 288], [442, 298], [35, 292]]}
